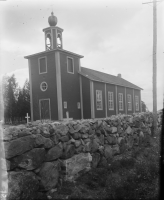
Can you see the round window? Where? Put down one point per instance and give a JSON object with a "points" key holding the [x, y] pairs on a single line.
{"points": [[43, 86]]}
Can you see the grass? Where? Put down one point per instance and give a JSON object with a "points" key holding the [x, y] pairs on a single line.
{"points": [[134, 176]]}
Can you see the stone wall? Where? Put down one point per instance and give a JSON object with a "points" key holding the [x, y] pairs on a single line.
{"points": [[41, 155]]}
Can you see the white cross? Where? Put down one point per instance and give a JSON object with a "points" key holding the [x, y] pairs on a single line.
{"points": [[27, 117]]}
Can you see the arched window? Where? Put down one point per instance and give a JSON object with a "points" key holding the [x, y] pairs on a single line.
{"points": [[48, 42], [59, 41]]}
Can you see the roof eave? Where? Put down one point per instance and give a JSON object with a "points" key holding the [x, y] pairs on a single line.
{"points": [[108, 82], [62, 50]]}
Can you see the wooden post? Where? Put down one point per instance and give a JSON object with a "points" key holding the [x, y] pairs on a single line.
{"points": [[125, 102], [154, 66], [106, 107]]}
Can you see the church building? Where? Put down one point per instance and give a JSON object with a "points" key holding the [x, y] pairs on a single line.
{"points": [[61, 88]]}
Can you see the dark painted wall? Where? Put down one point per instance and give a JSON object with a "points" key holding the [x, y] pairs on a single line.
{"points": [[70, 87], [50, 78], [99, 86], [137, 93], [129, 91], [111, 88], [121, 90], [86, 98]]}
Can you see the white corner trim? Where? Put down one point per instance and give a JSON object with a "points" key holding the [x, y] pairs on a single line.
{"points": [[81, 97], [92, 100], [31, 98], [59, 87], [106, 107], [125, 102], [133, 102], [116, 100]]}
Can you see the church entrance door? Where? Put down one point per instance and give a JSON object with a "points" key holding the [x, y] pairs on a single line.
{"points": [[45, 112]]}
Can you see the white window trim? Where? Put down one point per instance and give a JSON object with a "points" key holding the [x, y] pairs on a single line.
{"points": [[72, 63], [42, 88], [40, 107], [129, 102], [101, 100], [111, 100], [39, 64], [137, 103], [121, 102]]}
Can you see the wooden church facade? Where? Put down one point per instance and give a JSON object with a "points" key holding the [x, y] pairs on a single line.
{"points": [[61, 88]]}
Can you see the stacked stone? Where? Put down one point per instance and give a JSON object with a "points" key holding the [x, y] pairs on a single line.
{"points": [[44, 153]]}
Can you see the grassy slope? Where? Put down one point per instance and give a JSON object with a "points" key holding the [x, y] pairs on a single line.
{"points": [[134, 175]]}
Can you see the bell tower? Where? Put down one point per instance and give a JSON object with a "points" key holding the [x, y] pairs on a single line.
{"points": [[53, 34]]}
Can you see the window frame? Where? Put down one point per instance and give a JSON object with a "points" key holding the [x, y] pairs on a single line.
{"points": [[120, 102], [41, 86], [72, 64], [39, 64], [129, 102], [99, 100], [137, 103], [110, 100]]}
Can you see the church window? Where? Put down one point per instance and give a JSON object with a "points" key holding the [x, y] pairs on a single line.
{"points": [[70, 65], [78, 105], [137, 103], [129, 102], [110, 101], [42, 65], [43, 86], [120, 100], [99, 104], [65, 105]]}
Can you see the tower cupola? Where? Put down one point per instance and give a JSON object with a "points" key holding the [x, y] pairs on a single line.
{"points": [[52, 20], [53, 34]]}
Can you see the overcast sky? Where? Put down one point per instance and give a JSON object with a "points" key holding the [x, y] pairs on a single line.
{"points": [[114, 36]]}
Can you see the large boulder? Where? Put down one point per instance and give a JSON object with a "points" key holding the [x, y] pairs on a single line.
{"points": [[30, 160], [76, 164], [19, 146], [54, 153], [22, 185], [49, 175], [41, 141]]}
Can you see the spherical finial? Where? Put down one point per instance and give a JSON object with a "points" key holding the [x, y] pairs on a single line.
{"points": [[52, 20]]}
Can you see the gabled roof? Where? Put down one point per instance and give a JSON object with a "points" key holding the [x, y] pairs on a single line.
{"points": [[106, 78]]}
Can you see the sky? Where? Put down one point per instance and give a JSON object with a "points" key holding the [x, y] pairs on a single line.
{"points": [[114, 36]]}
